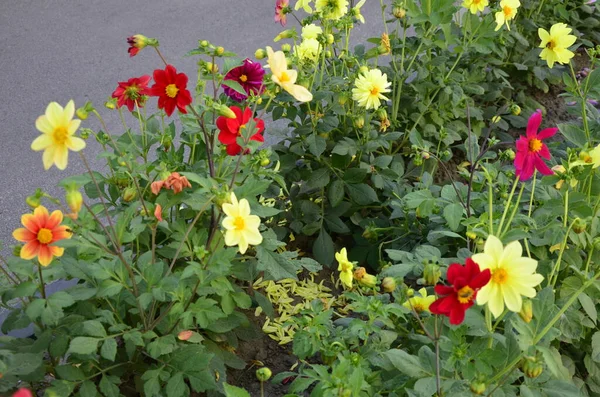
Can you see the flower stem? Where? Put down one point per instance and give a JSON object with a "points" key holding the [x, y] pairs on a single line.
{"points": [[508, 202], [560, 254], [586, 126], [161, 56], [42, 285], [514, 211], [529, 209], [566, 215]]}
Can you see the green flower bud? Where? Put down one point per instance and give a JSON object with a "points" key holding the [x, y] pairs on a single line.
{"points": [[532, 368], [84, 133], [410, 293], [203, 43], [219, 51], [330, 38], [260, 54], [265, 162], [388, 284], [286, 34], [263, 374], [82, 113], [286, 47], [579, 226], [477, 387], [526, 312], [33, 201], [223, 110], [363, 69], [431, 274], [515, 109], [129, 194], [510, 154], [371, 233], [111, 103], [496, 119], [359, 122], [471, 235]]}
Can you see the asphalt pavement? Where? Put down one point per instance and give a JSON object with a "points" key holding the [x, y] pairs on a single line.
{"points": [[57, 50]]}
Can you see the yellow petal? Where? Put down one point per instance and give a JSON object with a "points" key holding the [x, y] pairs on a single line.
{"points": [[299, 92], [68, 113], [512, 298], [73, 126], [41, 142], [43, 125], [54, 113], [48, 157], [61, 157], [496, 300]]}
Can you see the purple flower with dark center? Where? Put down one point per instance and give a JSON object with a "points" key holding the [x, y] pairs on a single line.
{"points": [[250, 76]]}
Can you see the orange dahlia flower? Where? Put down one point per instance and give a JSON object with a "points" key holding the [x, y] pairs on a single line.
{"points": [[40, 231]]}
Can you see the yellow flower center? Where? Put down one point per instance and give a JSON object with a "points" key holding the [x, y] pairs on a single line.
{"points": [[242, 127], [60, 135], [465, 294], [44, 236], [374, 91], [476, 2], [499, 276], [535, 145], [284, 77], [507, 11], [243, 78], [346, 266], [360, 273], [239, 223], [171, 90], [418, 307], [588, 159], [550, 45]]}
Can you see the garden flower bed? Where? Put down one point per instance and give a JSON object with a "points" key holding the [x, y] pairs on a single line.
{"points": [[426, 225]]}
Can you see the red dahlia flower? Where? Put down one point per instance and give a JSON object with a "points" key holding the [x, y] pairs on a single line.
{"points": [[281, 10], [136, 43], [460, 295], [23, 392], [170, 88], [531, 150], [249, 76], [131, 91], [231, 129]]}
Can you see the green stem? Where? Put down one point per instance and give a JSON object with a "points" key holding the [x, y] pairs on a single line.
{"points": [[508, 202], [529, 209], [42, 285], [514, 211], [490, 208], [560, 254], [581, 94], [566, 214]]}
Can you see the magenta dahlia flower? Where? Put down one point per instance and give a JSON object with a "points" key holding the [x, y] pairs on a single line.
{"points": [[531, 151], [281, 10], [250, 76]]}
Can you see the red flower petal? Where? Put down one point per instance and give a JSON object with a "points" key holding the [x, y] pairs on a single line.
{"points": [[542, 167], [222, 124], [227, 138], [480, 280], [534, 124], [234, 149], [544, 152], [547, 133]]}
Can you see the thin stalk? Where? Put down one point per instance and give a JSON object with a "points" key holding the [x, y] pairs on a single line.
{"points": [[161, 56], [560, 254], [530, 208], [508, 202], [514, 211], [42, 285], [566, 214]]}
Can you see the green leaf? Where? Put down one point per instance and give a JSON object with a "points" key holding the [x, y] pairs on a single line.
{"points": [[323, 248], [93, 328], [319, 178], [554, 362], [108, 388], [234, 85], [277, 265], [70, 372], [453, 214], [596, 347], [161, 346], [83, 345], [335, 193], [24, 364], [206, 311], [265, 304], [589, 306], [234, 391], [109, 349], [355, 175], [362, 194], [176, 386], [109, 288], [316, 144], [406, 363], [414, 199], [88, 389], [560, 388], [573, 133]]}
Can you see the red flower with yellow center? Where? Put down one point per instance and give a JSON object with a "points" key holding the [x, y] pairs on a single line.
{"points": [[457, 298], [131, 91], [40, 231], [531, 151], [231, 129], [171, 89]]}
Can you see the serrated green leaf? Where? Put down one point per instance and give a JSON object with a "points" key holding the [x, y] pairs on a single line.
{"points": [[234, 391], [83, 345], [109, 349]]}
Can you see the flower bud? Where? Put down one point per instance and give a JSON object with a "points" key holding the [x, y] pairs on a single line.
{"points": [[431, 274], [225, 111], [200, 252], [515, 109], [286, 34], [286, 47], [363, 69], [330, 38], [359, 122], [526, 312], [82, 113], [496, 119], [33, 201], [263, 374], [471, 235], [343, 99], [129, 194], [328, 54], [84, 133], [211, 67], [265, 162], [371, 233], [477, 387], [596, 243], [219, 51], [368, 281], [110, 104], [410, 293], [532, 367], [158, 213], [579, 226], [510, 154], [260, 54], [17, 250], [74, 200], [203, 43], [388, 284], [185, 335]]}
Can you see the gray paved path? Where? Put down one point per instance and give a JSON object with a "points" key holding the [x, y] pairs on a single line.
{"points": [[56, 50]]}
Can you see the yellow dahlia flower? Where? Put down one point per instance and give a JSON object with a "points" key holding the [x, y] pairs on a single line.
{"points": [[513, 276], [356, 11], [308, 50], [556, 43], [508, 12], [420, 303], [311, 31], [344, 267], [332, 9], [475, 6], [241, 227], [285, 78], [369, 89], [57, 127]]}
